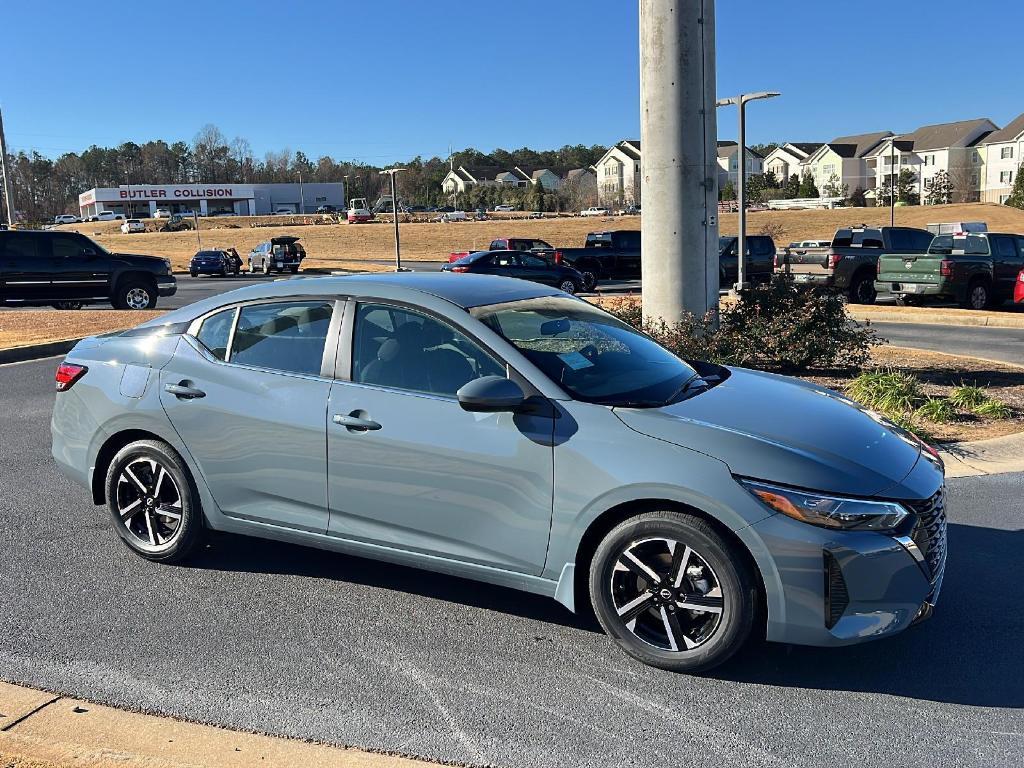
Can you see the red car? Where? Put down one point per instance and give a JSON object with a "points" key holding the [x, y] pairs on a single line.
{"points": [[1018, 288]]}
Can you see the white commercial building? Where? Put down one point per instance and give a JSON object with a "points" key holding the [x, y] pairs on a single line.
{"points": [[143, 200]]}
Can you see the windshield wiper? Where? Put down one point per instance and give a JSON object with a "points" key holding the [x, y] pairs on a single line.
{"points": [[692, 384]]}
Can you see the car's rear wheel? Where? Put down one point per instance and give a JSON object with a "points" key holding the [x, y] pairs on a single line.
{"points": [[569, 286], [266, 268], [672, 592], [293, 270], [153, 502], [193, 273], [862, 291], [589, 279], [978, 296], [135, 294]]}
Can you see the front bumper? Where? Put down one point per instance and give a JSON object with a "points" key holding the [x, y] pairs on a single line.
{"points": [[837, 588], [166, 285]]}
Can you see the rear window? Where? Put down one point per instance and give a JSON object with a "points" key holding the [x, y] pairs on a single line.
{"points": [[630, 240], [857, 238], [208, 255], [18, 245], [955, 245], [599, 240]]}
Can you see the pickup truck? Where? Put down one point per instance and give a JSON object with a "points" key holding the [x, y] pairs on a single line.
{"points": [[67, 270], [977, 270], [613, 254], [507, 244], [849, 265]]}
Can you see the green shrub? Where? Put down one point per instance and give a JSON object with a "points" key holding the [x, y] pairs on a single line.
{"points": [[939, 410], [888, 390], [993, 409], [773, 327], [908, 422], [967, 397]]}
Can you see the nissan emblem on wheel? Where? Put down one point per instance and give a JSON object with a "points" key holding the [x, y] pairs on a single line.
{"points": [[507, 431], [67, 270]]}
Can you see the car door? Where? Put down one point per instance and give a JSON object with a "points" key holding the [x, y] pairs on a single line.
{"points": [[505, 264], [537, 269], [24, 269], [79, 270], [1006, 263], [421, 474], [247, 391]]}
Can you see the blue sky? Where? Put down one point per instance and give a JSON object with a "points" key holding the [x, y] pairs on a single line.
{"points": [[385, 81]]}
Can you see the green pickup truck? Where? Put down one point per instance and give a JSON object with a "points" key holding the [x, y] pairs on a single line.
{"points": [[977, 270]]}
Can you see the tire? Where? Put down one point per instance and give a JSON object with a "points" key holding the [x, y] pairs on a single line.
{"points": [[293, 270], [589, 279], [135, 294], [979, 295], [568, 286], [266, 269], [157, 514], [252, 267], [910, 301], [862, 290], [193, 273], [68, 304], [715, 577]]}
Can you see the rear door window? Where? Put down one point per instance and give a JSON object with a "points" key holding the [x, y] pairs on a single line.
{"points": [[286, 336], [19, 245], [900, 240], [921, 240]]}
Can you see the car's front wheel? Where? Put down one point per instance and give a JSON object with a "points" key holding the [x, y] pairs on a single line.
{"points": [[153, 502], [135, 294], [672, 591], [569, 286], [978, 296]]}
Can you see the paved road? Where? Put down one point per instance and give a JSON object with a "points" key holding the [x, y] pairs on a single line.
{"points": [[289, 641], [1003, 344]]}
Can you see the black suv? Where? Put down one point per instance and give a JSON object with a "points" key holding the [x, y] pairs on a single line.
{"points": [[67, 270], [759, 263]]}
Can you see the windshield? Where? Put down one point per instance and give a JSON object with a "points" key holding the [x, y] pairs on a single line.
{"points": [[589, 353]]}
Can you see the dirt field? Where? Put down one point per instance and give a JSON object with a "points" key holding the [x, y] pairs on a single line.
{"points": [[23, 327], [345, 246]]}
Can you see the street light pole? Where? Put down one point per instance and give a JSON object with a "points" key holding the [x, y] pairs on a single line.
{"points": [[892, 182], [741, 179], [8, 197], [302, 197], [394, 210]]}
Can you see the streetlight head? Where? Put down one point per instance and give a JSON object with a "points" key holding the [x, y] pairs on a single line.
{"points": [[760, 95], [392, 171]]}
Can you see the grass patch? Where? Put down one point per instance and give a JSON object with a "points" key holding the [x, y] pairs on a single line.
{"points": [[891, 391], [992, 409], [967, 396], [937, 409]]}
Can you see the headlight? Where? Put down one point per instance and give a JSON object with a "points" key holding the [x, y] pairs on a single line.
{"points": [[829, 511]]}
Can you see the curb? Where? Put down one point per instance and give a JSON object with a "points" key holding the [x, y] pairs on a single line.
{"points": [[37, 351], [48, 727], [939, 317], [995, 456]]}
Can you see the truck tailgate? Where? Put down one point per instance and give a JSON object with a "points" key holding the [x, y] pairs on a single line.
{"points": [[810, 257], [911, 268]]}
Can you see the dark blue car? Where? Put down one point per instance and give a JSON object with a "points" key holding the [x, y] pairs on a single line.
{"points": [[222, 261]]}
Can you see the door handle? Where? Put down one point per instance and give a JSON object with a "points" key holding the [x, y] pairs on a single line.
{"points": [[183, 391], [356, 423]]}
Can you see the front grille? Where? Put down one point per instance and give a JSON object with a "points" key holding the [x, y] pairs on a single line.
{"points": [[929, 534]]}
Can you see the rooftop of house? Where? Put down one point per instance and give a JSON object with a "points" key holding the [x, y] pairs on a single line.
{"points": [[1011, 132]]}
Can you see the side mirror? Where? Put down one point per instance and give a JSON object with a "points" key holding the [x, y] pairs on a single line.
{"points": [[491, 394]]}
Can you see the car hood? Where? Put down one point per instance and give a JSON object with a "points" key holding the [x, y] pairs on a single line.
{"points": [[139, 258], [784, 431]]}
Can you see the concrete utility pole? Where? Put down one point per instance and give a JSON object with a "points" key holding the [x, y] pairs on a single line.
{"points": [[679, 173], [8, 197], [741, 179], [394, 210]]}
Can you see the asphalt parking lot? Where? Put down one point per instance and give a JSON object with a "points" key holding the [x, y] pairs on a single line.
{"points": [[275, 638]]}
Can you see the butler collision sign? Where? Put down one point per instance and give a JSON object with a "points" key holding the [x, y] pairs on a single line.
{"points": [[143, 200]]}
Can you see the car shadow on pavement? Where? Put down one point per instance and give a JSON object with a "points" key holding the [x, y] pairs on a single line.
{"points": [[969, 652], [252, 555]]}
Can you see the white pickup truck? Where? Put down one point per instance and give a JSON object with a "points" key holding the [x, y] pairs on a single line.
{"points": [[594, 211]]}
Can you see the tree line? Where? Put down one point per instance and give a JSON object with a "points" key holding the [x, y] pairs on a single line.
{"points": [[43, 187]]}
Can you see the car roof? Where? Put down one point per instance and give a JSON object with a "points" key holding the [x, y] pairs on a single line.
{"points": [[463, 290]]}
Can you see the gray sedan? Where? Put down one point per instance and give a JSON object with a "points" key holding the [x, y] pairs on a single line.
{"points": [[504, 431]]}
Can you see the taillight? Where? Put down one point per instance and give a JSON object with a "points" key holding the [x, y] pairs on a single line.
{"points": [[946, 268], [833, 259], [68, 374], [1020, 277], [558, 257], [460, 269]]}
